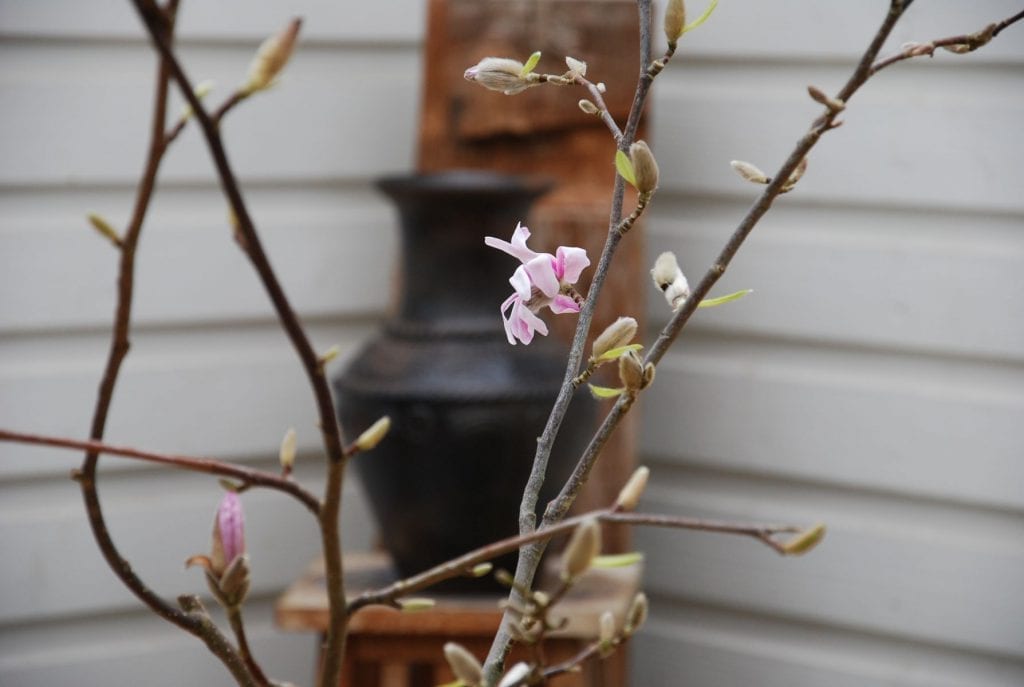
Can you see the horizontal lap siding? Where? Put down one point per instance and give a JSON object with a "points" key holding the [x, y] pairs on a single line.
{"points": [[874, 380], [210, 372]]}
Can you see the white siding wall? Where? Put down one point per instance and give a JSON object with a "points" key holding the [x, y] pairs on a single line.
{"points": [[874, 379]]}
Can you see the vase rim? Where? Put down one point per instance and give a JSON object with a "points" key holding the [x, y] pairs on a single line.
{"points": [[465, 182]]}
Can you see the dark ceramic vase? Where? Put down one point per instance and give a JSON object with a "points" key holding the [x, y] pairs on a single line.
{"points": [[466, 407]]}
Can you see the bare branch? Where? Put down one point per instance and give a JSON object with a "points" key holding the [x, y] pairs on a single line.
{"points": [[248, 476]]}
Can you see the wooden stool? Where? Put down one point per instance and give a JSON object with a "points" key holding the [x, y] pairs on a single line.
{"points": [[394, 649]]}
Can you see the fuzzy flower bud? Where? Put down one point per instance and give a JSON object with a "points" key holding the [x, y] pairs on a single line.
{"points": [[633, 490], [271, 57], [675, 20], [606, 634], [516, 675], [798, 173], [373, 436], [636, 615], [499, 74], [804, 541], [670, 279], [631, 371], [750, 172], [645, 167], [583, 547], [576, 67], [287, 452], [464, 665], [416, 604], [619, 333], [588, 107], [100, 224]]}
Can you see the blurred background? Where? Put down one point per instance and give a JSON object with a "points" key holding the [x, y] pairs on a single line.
{"points": [[874, 380]]}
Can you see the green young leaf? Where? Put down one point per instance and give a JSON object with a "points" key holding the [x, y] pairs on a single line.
{"points": [[620, 560], [602, 392], [625, 167], [614, 353], [702, 18], [712, 302], [531, 64]]}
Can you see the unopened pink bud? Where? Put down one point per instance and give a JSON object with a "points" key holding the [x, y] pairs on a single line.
{"points": [[230, 527]]}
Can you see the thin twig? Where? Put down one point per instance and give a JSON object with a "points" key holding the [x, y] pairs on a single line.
{"points": [[234, 614], [216, 641], [602, 108], [969, 41], [463, 564], [329, 427], [821, 125], [119, 346], [248, 476]]}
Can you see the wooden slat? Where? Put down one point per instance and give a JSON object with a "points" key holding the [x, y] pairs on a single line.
{"points": [[333, 250], [920, 281], [110, 649], [927, 573], [707, 117], [691, 645], [230, 20], [864, 421], [340, 137], [223, 394], [158, 519]]}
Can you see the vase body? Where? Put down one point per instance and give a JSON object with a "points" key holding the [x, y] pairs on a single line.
{"points": [[466, 407]]}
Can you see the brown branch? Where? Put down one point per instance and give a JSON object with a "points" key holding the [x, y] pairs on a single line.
{"points": [[248, 476], [464, 563], [329, 427], [968, 42], [234, 614], [194, 623], [215, 640]]}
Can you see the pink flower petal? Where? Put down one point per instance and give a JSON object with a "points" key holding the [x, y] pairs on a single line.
{"points": [[506, 319], [542, 273], [562, 303], [570, 263], [517, 248], [231, 522], [520, 281]]}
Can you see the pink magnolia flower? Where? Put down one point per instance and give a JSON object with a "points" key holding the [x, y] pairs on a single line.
{"points": [[541, 280]]}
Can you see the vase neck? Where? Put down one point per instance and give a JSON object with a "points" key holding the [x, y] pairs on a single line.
{"points": [[449, 277]]}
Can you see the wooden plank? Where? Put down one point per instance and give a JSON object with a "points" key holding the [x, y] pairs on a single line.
{"points": [[226, 394], [230, 20], [786, 29], [139, 648], [917, 281], [333, 250], [906, 577], [325, 96], [702, 647], [894, 125], [158, 520], [868, 421]]}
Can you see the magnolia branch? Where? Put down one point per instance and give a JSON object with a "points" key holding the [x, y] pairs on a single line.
{"points": [[456, 567], [248, 476], [529, 558], [964, 43], [311, 362], [193, 623]]}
